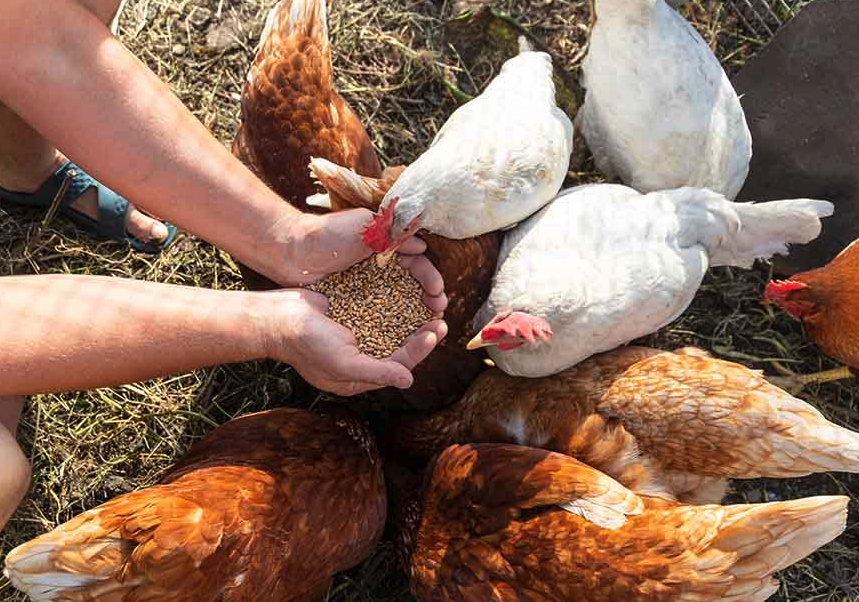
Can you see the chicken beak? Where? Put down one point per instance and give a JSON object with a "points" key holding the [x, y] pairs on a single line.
{"points": [[478, 342], [383, 259]]}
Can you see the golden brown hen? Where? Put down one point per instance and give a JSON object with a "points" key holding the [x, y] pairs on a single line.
{"points": [[503, 523], [465, 265], [826, 301], [291, 110], [267, 507], [671, 424]]}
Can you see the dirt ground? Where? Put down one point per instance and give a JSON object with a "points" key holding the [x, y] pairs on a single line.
{"points": [[403, 67]]}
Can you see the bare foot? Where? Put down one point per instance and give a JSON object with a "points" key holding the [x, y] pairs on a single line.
{"points": [[137, 224]]}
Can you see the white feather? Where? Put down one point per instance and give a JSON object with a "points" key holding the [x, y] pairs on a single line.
{"points": [[659, 111], [604, 264], [497, 160]]}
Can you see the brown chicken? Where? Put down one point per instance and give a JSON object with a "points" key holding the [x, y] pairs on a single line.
{"points": [[826, 301], [668, 424], [292, 112], [267, 507], [465, 265], [503, 523]]}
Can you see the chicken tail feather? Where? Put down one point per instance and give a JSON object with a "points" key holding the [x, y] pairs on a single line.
{"points": [[804, 441], [347, 189], [770, 537], [52, 568], [766, 229]]}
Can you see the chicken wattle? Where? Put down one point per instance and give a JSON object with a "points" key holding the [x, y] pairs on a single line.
{"points": [[498, 159], [603, 265]]}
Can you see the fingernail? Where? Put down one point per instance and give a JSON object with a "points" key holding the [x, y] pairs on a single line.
{"points": [[158, 232]]}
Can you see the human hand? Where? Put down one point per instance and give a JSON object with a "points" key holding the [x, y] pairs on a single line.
{"points": [[311, 247], [326, 354]]}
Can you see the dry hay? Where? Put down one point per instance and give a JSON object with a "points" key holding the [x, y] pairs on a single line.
{"points": [[396, 65]]}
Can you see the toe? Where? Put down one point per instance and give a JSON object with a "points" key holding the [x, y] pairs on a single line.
{"points": [[144, 228]]}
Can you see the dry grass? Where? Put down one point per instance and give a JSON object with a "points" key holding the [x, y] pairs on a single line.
{"points": [[395, 67]]}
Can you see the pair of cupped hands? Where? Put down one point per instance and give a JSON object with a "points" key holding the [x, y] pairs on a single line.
{"points": [[311, 247]]}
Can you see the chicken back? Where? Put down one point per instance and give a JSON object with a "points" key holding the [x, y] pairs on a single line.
{"points": [[291, 110], [267, 507], [668, 424], [516, 524]]}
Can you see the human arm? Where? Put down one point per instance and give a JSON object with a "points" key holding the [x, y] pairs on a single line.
{"points": [[124, 126], [60, 333]]}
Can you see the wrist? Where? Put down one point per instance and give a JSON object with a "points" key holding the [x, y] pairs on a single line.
{"points": [[277, 255], [257, 328]]}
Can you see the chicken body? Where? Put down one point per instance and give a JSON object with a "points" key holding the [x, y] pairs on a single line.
{"points": [[267, 507], [603, 265], [660, 112], [497, 160], [674, 425], [465, 265], [513, 524], [825, 300], [291, 110]]}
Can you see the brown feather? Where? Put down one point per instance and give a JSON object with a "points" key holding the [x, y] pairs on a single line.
{"points": [[267, 507], [291, 111], [661, 423], [483, 528]]}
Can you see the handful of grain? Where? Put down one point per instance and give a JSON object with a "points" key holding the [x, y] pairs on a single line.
{"points": [[382, 306]]}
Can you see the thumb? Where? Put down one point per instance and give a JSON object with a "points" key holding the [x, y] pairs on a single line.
{"points": [[381, 373], [317, 301]]}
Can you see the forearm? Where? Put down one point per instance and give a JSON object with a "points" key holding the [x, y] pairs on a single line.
{"points": [[123, 125], [61, 333]]}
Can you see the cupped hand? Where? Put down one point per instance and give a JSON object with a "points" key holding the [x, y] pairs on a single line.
{"points": [[326, 354], [321, 245]]}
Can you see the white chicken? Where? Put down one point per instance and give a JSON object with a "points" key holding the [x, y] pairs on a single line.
{"points": [[660, 112], [603, 265], [498, 159]]}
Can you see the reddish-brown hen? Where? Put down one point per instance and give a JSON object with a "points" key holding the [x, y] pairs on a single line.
{"points": [[502, 523], [670, 424], [267, 507], [291, 110], [827, 302], [465, 265]]}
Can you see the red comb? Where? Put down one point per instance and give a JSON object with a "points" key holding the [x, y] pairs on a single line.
{"points": [[778, 289], [377, 233]]}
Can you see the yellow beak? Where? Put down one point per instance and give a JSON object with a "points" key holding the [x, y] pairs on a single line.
{"points": [[478, 342]]}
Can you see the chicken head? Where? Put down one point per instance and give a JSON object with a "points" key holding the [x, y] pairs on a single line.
{"points": [[510, 330]]}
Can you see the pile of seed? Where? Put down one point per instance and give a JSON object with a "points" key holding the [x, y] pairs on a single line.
{"points": [[382, 306]]}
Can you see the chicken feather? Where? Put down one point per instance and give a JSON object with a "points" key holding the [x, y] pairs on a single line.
{"points": [[467, 537], [659, 110], [668, 424], [291, 110], [603, 265], [267, 507]]}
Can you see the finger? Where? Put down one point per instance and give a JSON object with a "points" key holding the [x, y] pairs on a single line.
{"points": [[317, 301], [420, 344], [424, 272], [412, 246], [436, 305], [374, 373]]}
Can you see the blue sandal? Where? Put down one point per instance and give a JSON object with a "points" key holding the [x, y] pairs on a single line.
{"points": [[112, 208]]}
